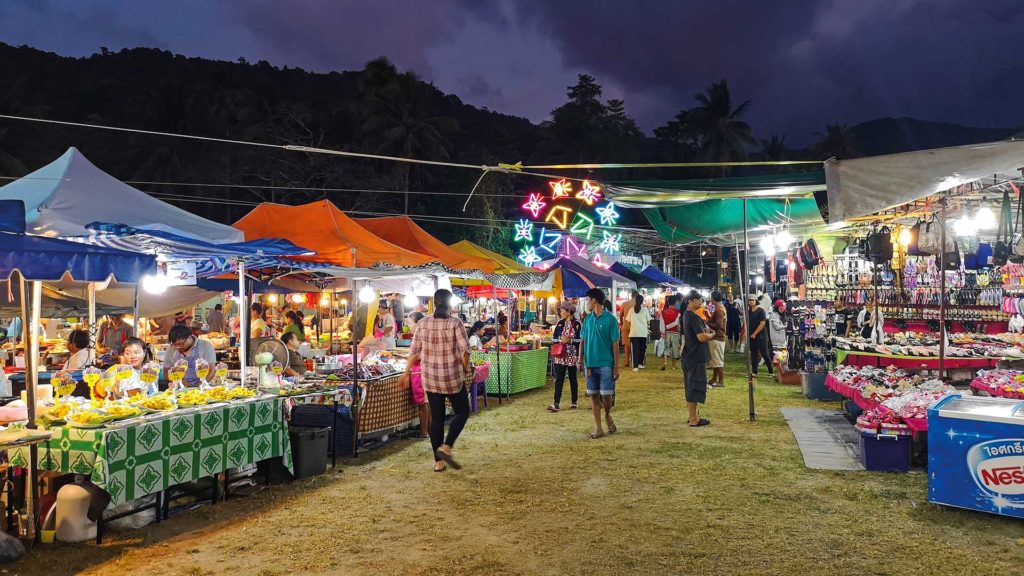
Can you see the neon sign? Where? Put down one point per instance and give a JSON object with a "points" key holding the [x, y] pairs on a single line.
{"points": [[560, 189], [535, 204], [609, 216], [524, 231], [566, 221], [589, 193]]}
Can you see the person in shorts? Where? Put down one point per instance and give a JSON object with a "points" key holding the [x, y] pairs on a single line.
{"points": [[716, 347], [696, 336], [599, 356], [671, 318]]}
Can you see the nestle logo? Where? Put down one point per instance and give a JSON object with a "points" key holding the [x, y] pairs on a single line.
{"points": [[1003, 476]]}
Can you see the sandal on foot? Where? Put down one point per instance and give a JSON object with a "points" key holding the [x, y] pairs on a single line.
{"points": [[596, 435], [447, 458], [573, 406], [701, 422], [441, 469], [552, 408], [613, 429]]}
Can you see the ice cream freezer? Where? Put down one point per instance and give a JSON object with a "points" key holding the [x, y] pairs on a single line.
{"points": [[976, 454]]}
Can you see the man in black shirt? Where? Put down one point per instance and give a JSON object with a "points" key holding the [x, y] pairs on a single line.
{"points": [[696, 336], [760, 344], [843, 318]]}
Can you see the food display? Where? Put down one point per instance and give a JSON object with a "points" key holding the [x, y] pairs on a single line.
{"points": [[373, 365], [177, 373], [219, 340], [202, 371]]}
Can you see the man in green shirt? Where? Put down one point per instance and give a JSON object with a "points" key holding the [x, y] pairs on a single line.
{"points": [[599, 356]]}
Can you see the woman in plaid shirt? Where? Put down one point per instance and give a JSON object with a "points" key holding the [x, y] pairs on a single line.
{"points": [[442, 348]]}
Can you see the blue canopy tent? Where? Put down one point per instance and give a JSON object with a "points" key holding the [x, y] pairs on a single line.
{"points": [[35, 259], [641, 280], [580, 275], [660, 277]]}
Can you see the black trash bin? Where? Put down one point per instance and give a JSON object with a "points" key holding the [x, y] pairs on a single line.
{"points": [[309, 450]]}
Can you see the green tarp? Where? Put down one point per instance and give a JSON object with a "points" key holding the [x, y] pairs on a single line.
{"points": [[693, 210]]}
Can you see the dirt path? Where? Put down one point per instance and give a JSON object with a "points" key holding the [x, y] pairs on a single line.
{"points": [[538, 497]]}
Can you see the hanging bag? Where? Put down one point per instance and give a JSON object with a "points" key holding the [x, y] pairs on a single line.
{"points": [[1017, 238], [880, 245], [915, 233], [1001, 249]]}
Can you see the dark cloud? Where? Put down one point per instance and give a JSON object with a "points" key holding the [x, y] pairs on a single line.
{"points": [[803, 63]]}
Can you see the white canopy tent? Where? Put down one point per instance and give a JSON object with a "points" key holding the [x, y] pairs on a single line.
{"points": [[69, 193], [865, 186]]}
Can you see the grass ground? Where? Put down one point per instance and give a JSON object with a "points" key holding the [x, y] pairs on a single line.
{"points": [[537, 496]]}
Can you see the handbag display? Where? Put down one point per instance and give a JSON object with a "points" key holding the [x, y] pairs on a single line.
{"points": [[1017, 237], [1001, 249], [930, 238], [880, 245], [912, 248]]}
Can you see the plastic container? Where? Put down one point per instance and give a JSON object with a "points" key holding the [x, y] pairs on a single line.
{"points": [[814, 387], [309, 450], [885, 452], [324, 416]]}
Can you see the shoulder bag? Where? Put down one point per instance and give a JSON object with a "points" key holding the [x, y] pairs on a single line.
{"points": [[1001, 249]]}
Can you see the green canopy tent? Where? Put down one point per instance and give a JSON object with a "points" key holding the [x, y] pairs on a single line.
{"points": [[684, 211]]}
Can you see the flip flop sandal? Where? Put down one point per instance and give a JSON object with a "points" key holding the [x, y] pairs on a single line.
{"points": [[573, 407], [595, 435], [552, 408], [701, 422], [613, 429], [447, 458], [441, 469]]}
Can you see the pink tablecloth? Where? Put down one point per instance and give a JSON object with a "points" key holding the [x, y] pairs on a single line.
{"points": [[832, 383], [993, 391]]}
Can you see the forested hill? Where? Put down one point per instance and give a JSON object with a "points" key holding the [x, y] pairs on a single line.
{"points": [[376, 110]]}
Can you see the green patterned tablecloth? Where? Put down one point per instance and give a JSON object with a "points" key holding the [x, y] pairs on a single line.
{"points": [[520, 371], [147, 457]]}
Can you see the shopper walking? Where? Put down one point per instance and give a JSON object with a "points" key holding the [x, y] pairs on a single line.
{"points": [[441, 347], [733, 323], [567, 331], [760, 345], [600, 358], [671, 319], [639, 330], [716, 347], [696, 336]]}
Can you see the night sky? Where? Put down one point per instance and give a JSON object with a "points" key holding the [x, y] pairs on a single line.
{"points": [[803, 63]]}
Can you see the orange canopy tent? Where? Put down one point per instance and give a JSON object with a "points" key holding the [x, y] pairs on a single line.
{"points": [[403, 232], [322, 227]]}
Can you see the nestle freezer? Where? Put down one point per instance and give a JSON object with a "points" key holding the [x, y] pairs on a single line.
{"points": [[976, 454]]}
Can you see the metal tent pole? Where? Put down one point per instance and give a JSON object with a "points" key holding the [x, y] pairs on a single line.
{"points": [[746, 312], [497, 340], [135, 313], [31, 394], [243, 323], [91, 295], [942, 288]]}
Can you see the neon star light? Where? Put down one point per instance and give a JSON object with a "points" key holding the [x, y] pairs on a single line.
{"points": [[609, 216], [610, 242], [598, 261], [559, 216], [548, 240], [535, 204], [524, 231], [560, 189], [589, 193], [528, 255], [582, 225]]}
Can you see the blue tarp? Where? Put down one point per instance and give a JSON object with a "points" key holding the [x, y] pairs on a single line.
{"points": [[660, 277], [39, 258], [640, 279], [211, 259], [224, 285]]}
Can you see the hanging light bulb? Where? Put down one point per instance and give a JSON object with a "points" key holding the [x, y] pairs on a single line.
{"points": [[792, 265], [410, 301], [768, 244], [272, 299], [154, 284], [325, 301], [759, 280], [298, 298], [552, 299], [455, 301], [905, 237], [985, 218], [366, 294], [783, 239], [965, 226]]}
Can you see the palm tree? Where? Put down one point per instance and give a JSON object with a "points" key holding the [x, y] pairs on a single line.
{"points": [[774, 149], [399, 122], [716, 126], [838, 141]]}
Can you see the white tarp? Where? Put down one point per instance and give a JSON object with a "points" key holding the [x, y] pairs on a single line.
{"points": [[864, 186], [69, 193]]}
